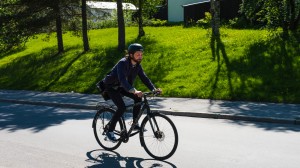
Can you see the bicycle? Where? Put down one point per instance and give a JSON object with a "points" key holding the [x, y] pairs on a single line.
{"points": [[158, 134]]}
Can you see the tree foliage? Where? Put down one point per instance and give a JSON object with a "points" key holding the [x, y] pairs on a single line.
{"points": [[22, 19], [273, 13], [146, 9], [149, 6]]}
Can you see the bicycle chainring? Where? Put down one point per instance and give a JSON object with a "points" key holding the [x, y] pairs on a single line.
{"points": [[124, 136]]}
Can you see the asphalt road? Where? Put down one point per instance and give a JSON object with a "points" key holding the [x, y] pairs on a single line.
{"points": [[39, 136]]}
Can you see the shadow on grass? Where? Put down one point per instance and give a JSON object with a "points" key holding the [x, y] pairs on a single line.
{"points": [[218, 52], [102, 158], [23, 72], [106, 62], [267, 71], [62, 71], [11, 52], [73, 70], [44, 70], [273, 64]]}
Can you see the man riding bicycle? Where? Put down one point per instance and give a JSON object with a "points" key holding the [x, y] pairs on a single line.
{"points": [[120, 81]]}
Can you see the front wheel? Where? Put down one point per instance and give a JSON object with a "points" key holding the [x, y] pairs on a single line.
{"points": [[100, 127], [159, 136]]}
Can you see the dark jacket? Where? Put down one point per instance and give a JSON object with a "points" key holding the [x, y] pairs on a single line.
{"points": [[124, 73]]}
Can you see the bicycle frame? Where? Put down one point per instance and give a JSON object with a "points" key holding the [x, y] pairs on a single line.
{"points": [[124, 134], [155, 128]]}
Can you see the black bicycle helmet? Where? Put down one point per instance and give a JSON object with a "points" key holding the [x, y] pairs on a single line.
{"points": [[135, 47]]}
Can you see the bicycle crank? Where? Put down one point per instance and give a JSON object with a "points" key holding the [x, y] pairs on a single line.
{"points": [[124, 136]]}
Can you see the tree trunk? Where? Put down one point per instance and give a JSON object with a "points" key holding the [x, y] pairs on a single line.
{"points": [[140, 20], [59, 30], [215, 13], [121, 26], [215, 25], [296, 23], [84, 26], [294, 18]]}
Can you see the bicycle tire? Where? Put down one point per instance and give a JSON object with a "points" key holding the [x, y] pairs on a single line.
{"points": [[101, 119], [160, 144]]}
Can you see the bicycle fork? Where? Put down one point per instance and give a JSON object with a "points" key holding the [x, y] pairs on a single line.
{"points": [[154, 126]]}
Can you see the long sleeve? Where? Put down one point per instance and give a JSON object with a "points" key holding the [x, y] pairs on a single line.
{"points": [[121, 70], [145, 79]]}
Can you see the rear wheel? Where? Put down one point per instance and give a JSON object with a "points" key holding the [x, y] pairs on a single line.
{"points": [[159, 136], [100, 127]]}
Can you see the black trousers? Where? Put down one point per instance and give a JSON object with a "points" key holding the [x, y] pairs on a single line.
{"points": [[116, 97]]}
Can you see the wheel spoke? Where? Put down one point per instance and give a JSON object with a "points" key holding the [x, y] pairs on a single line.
{"points": [[163, 143], [102, 118]]}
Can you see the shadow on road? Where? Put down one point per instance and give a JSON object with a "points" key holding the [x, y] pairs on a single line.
{"points": [[16, 117], [102, 158], [260, 110], [269, 126]]}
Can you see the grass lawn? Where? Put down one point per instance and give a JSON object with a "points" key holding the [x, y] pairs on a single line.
{"points": [[241, 65]]}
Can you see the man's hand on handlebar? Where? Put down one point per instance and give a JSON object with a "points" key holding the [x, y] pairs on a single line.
{"points": [[157, 91], [138, 93]]}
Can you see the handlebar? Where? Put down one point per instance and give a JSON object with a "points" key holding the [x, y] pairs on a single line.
{"points": [[155, 93]]}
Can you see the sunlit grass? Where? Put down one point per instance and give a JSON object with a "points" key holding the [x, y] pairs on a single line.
{"points": [[242, 65]]}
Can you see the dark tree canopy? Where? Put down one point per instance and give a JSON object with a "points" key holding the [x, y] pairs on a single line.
{"points": [[273, 13], [21, 19]]}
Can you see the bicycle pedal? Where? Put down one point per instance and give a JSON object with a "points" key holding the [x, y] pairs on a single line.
{"points": [[108, 140]]}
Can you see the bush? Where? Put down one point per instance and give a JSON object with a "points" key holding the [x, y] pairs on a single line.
{"points": [[238, 23], [102, 24], [205, 22], [156, 22]]}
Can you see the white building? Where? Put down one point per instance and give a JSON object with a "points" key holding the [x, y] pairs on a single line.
{"points": [[175, 9], [106, 9]]}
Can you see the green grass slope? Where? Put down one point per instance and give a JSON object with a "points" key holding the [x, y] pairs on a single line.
{"points": [[184, 62]]}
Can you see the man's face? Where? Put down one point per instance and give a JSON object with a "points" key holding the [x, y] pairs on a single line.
{"points": [[137, 56]]}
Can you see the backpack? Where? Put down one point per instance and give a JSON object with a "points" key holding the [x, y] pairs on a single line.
{"points": [[101, 88]]}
